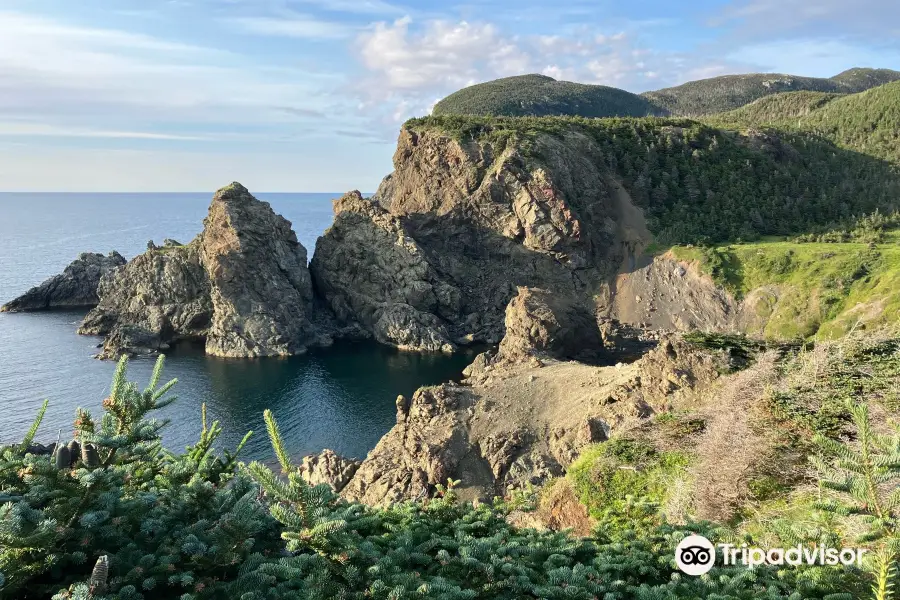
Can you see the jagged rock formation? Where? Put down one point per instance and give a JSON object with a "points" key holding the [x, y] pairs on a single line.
{"points": [[432, 260], [75, 287], [520, 419], [159, 297], [259, 283], [328, 467], [242, 285]]}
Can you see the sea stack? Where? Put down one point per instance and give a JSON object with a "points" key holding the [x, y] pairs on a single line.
{"points": [[242, 285], [75, 287]]}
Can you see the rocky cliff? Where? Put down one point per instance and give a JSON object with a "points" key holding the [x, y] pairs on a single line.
{"points": [[75, 287], [432, 260], [242, 286], [524, 413]]}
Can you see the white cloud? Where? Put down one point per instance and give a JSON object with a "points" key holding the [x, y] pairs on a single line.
{"points": [[296, 26], [47, 130], [443, 54], [82, 77], [410, 63]]}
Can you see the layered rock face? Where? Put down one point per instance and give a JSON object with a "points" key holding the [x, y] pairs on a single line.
{"points": [[259, 282], [75, 287], [159, 297], [242, 285], [521, 416], [432, 260]]}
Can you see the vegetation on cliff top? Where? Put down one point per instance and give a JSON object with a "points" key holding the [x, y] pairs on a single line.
{"points": [[698, 184]]}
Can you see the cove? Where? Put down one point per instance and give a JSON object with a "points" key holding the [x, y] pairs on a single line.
{"points": [[342, 397]]}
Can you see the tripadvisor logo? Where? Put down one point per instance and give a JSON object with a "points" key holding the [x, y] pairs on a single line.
{"points": [[696, 555]]}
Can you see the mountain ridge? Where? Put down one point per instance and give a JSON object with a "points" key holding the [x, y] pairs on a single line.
{"points": [[541, 95]]}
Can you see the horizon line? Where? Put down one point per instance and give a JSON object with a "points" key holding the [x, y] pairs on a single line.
{"points": [[163, 192]]}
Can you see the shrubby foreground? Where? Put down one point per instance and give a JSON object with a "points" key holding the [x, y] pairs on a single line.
{"points": [[129, 519]]}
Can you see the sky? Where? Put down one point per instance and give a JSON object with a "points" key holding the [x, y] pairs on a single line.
{"points": [[308, 95]]}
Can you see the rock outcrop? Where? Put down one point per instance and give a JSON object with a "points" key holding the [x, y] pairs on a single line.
{"points": [[160, 297], [523, 415], [432, 260], [328, 467], [75, 287], [259, 282], [242, 286]]}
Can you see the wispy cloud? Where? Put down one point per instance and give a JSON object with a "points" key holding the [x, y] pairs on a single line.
{"points": [[768, 19], [362, 7], [296, 26], [14, 129], [59, 71]]}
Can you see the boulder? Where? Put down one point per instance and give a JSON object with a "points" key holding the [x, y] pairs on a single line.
{"points": [[544, 324], [75, 287]]}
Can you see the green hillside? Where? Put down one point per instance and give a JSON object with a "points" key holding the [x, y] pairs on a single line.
{"points": [[777, 109], [699, 184], [719, 94], [539, 95], [860, 79], [800, 289], [867, 122]]}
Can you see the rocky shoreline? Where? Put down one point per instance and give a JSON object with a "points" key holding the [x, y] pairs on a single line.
{"points": [[465, 243]]}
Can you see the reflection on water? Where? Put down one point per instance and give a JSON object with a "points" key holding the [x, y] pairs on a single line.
{"points": [[341, 397]]}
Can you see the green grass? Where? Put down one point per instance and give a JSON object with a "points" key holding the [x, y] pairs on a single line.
{"points": [[623, 482], [803, 289]]}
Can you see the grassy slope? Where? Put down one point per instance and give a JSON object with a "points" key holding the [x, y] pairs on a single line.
{"points": [[656, 467], [822, 288]]}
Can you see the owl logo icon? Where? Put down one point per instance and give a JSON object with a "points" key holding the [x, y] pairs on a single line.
{"points": [[695, 555]]}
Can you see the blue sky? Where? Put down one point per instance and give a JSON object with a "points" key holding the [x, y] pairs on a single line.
{"points": [[308, 95]]}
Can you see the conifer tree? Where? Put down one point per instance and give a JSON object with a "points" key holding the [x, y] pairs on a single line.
{"points": [[865, 479]]}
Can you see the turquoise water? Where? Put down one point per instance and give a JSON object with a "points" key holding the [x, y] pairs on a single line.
{"points": [[340, 398]]}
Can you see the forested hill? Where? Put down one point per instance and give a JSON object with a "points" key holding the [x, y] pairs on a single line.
{"points": [[718, 94], [539, 95], [699, 184], [867, 122]]}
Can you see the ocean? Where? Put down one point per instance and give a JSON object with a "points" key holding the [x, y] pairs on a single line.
{"points": [[341, 398]]}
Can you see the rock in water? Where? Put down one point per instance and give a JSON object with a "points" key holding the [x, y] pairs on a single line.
{"points": [[159, 297], [242, 286], [75, 287], [260, 285]]}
